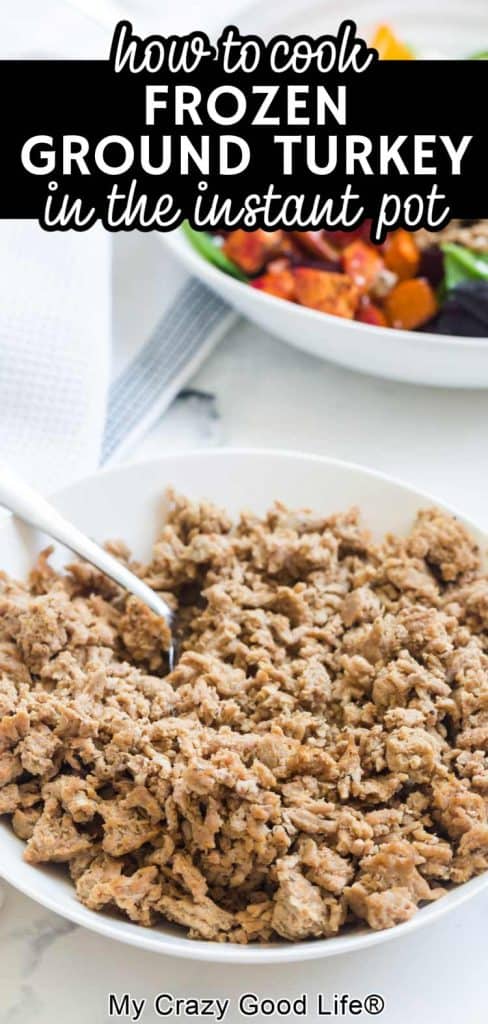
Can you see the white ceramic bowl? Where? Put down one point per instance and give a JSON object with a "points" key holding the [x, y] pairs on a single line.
{"points": [[127, 502], [440, 26]]}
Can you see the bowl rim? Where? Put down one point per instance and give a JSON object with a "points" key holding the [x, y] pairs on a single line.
{"points": [[213, 952], [251, 12]]}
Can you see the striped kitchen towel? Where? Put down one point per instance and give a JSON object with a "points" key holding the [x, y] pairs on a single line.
{"points": [[187, 332]]}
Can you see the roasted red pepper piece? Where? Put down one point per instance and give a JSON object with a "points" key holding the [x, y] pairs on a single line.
{"points": [[369, 313], [276, 282], [326, 291], [362, 263], [251, 250]]}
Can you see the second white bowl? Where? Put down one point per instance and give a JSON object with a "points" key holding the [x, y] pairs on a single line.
{"points": [[418, 358]]}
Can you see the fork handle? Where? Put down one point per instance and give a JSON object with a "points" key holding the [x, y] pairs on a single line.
{"points": [[27, 504]]}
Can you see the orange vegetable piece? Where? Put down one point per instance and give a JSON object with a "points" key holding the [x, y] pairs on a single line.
{"points": [[411, 304], [276, 282], [402, 254], [362, 263], [250, 250], [326, 291], [388, 46], [369, 313]]}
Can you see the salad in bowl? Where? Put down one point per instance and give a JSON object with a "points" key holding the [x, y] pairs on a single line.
{"points": [[414, 281]]}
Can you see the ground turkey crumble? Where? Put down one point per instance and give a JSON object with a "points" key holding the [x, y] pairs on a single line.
{"points": [[317, 758]]}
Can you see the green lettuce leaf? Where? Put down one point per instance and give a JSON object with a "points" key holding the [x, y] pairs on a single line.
{"points": [[462, 264], [207, 247]]}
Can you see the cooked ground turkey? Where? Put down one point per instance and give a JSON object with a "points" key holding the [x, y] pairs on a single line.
{"points": [[317, 758]]}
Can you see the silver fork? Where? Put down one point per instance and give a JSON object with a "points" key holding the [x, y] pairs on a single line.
{"points": [[29, 506]]}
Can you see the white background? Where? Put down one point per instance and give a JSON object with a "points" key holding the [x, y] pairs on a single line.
{"points": [[256, 391]]}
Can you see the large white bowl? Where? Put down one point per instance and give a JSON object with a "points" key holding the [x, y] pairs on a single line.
{"points": [[127, 502], [443, 26]]}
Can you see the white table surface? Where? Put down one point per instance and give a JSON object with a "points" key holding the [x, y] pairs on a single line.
{"points": [[256, 391]]}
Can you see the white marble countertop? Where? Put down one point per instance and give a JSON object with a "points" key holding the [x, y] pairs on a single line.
{"points": [[255, 391]]}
